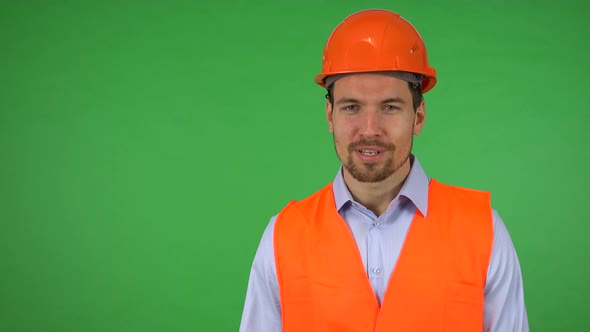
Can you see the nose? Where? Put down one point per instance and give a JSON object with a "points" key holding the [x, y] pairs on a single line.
{"points": [[370, 124]]}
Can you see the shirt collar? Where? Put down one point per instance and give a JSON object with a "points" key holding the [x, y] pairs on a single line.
{"points": [[415, 188]]}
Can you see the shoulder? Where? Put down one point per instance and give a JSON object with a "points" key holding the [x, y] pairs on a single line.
{"points": [[311, 201], [459, 190], [297, 217], [467, 199]]}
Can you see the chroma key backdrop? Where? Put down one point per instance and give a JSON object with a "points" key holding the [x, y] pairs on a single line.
{"points": [[145, 145]]}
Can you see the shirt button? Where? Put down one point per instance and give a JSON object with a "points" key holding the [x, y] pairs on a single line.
{"points": [[376, 224], [376, 271]]}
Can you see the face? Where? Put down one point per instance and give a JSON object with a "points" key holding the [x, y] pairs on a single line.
{"points": [[373, 123]]}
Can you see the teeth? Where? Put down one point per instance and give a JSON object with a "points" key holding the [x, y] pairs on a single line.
{"points": [[369, 152]]}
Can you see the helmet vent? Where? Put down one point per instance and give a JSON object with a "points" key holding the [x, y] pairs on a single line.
{"points": [[414, 49]]}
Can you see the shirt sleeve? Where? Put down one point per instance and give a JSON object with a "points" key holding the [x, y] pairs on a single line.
{"points": [[504, 305], [262, 308]]}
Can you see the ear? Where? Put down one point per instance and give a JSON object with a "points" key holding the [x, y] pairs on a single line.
{"points": [[329, 116], [419, 118]]}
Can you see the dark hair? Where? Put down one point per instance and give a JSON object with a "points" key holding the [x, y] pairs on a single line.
{"points": [[415, 89]]}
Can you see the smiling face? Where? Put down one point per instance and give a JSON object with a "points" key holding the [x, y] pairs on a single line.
{"points": [[373, 122]]}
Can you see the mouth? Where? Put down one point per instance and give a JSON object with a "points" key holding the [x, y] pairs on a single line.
{"points": [[370, 154], [367, 152]]}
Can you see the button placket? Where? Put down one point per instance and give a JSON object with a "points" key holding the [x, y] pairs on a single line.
{"points": [[374, 251]]}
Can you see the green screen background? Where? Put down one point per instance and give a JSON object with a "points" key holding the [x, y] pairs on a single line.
{"points": [[145, 145]]}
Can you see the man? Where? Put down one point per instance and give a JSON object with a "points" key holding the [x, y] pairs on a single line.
{"points": [[383, 247]]}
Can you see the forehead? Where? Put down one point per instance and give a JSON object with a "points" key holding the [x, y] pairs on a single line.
{"points": [[368, 85]]}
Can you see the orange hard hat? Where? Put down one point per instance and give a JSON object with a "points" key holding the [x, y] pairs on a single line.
{"points": [[376, 40]]}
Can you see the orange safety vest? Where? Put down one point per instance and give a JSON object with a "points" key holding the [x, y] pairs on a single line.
{"points": [[437, 284]]}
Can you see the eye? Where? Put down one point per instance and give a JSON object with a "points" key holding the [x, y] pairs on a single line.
{"points": [[351, 107], [391, 108]]}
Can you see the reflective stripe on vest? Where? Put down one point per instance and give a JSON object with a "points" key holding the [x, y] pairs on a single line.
{"points": [[437, 283]]}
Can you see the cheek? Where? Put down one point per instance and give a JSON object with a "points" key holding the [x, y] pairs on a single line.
{"points": [[404, 139], [343, 130], [341, 140], [404, 133]]}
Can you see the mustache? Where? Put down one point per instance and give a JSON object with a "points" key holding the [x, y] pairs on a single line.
{"points": [[369, 142]]}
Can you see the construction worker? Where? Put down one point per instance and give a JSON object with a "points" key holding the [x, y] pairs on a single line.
{"points": [[383, 247]]}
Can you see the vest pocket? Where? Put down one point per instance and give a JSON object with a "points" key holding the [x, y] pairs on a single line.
{"points": [[464, 308]]}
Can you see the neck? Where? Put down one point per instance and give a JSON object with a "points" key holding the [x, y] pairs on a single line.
{"points": [[376, 196]]}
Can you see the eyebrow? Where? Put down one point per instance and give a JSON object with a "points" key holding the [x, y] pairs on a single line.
{"points": [[393, 100], [356, 101], [344, 100]]}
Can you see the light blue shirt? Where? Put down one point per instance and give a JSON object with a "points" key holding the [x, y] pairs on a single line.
{"points": [[379, 240]]}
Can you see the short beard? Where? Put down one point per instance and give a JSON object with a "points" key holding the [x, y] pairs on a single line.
{"points": [[371, 174]]}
